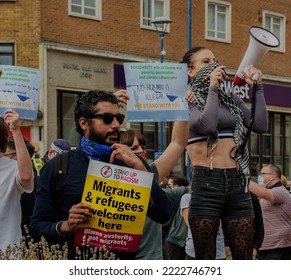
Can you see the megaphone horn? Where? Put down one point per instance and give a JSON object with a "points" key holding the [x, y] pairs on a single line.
{"points": [[261, 41]]}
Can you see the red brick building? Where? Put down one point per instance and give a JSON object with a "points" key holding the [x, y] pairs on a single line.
{"points": [[78, 47]]}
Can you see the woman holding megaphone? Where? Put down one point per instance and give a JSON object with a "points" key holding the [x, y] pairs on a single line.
{"points": [[217, 146]]}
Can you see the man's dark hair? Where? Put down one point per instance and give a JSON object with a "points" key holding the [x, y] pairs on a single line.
{"points": [[3, 135], [86, 105]]}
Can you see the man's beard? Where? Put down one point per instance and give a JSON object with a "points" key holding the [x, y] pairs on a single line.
{"points": [[96, 137]]}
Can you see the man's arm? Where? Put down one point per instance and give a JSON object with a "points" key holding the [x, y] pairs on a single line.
{"points": [[261, 192], [25, 173]]}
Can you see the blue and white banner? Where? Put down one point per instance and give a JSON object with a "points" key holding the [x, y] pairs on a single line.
{"points": [[157, 92], [20, 90]]}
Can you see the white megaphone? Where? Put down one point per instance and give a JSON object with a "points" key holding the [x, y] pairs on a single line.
{"points": [[261, 41]]}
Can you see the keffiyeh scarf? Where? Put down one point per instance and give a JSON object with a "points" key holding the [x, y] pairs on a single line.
{"points": [[200, 87]]}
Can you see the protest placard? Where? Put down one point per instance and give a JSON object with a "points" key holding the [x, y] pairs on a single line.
{"points": [[157, 91], [20, 90], [119, 197]]}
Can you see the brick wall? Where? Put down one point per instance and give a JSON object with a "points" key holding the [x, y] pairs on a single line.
{"points": [[20, 24], [119, 30]]}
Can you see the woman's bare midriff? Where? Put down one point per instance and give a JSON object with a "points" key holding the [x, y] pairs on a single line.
{"points": [[220, 157]]}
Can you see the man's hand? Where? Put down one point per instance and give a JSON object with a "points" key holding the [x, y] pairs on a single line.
{"points": [[79, 213], [124, 153]]}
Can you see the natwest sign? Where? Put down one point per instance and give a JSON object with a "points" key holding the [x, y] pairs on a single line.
{"points": [[228, 87], [274, 94]]}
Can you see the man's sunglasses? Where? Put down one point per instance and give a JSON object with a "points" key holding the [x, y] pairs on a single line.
{"points": [[108, 117]]}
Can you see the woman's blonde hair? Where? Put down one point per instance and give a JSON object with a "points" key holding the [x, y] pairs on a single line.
{"points": [[284, 180]]}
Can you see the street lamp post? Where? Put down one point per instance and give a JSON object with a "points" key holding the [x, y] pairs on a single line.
{"points": [[161, 24]]}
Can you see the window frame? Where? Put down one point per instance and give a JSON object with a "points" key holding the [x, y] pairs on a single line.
{"points": [[62, 119], [228, 7], [12, 44], [264, 148], [98, 10], [272, 15], [166, 13]]}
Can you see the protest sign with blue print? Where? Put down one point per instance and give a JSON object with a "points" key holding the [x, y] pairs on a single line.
{"points": [[157, 91], [20, 90]]}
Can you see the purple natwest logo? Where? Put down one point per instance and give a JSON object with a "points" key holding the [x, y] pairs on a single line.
{"points": [[228, 87], [106, 171], [276, 95]]}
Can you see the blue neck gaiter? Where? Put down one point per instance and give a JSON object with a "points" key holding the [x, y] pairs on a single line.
{"points": [[94, 150]]}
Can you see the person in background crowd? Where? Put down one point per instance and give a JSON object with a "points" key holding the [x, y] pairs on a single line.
{"points": [[57, 146], [217, 147], [98, 121], [189, 246], [176, 230], [285, 182], [164, 182], [16, 177], [27, 199], [276, 208], [259, 231], [177, 180]]}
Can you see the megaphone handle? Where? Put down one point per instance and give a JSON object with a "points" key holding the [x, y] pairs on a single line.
{"points": [[253, 108]]}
